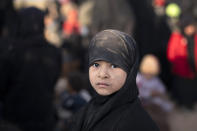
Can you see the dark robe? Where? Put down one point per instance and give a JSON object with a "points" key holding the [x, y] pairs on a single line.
{"points": [[122, 110], [29, 71]]}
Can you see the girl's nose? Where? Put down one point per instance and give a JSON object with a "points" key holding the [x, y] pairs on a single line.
{"points": [[103, 72]]}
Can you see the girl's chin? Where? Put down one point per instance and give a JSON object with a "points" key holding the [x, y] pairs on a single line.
{"points": [[104, 93]]}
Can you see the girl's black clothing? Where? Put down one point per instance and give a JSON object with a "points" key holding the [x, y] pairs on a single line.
{"points": [[122, 110], [128, 117]]}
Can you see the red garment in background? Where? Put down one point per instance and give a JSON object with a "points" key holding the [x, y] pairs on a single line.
{"points": [[159, 3], [177, 54], [71, 25]]}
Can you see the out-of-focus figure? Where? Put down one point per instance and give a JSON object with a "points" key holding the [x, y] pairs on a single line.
{"points": [[32, 66], [182, 54], [152, 91]]}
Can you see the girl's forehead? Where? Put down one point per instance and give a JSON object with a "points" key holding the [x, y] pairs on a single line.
{"points": [[103, 61]]}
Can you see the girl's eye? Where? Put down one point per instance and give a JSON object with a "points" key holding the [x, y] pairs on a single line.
{"points": [[95, 65], [113, 66]]}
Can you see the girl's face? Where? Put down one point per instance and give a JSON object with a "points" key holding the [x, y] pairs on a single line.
{"points": [[106, 78]]}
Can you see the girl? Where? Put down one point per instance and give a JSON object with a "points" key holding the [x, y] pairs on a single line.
{"points": [[113, 63]]}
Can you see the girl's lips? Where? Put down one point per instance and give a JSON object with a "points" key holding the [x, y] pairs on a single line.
{"points": [[102, 84]]}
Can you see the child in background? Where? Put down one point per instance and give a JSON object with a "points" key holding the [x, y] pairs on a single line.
{"points": [[152, 91], [75, 95], [151, 88], [72, 94]]}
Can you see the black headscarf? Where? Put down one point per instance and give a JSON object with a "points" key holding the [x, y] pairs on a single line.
{"points": [[120, 49], [31, 23]]}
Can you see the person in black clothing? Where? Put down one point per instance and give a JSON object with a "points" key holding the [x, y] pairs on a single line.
{"points": [[29, 71], [113, 66], [6, 12], [8, 16]]}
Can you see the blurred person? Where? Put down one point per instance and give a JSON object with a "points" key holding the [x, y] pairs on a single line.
{"points": [[152, 91], [72, 44], [32, 66], [182, 54], [173, 12], [72, 99], [8, 22], [113, 63], [159, 6], [151, 88], [71, 22], [72, 96], [8, 29]]}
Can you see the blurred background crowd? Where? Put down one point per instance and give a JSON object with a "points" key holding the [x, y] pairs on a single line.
{"points": [[44, 61]]}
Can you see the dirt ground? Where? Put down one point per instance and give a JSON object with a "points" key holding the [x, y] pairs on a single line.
{"points": [[183, 120]]}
